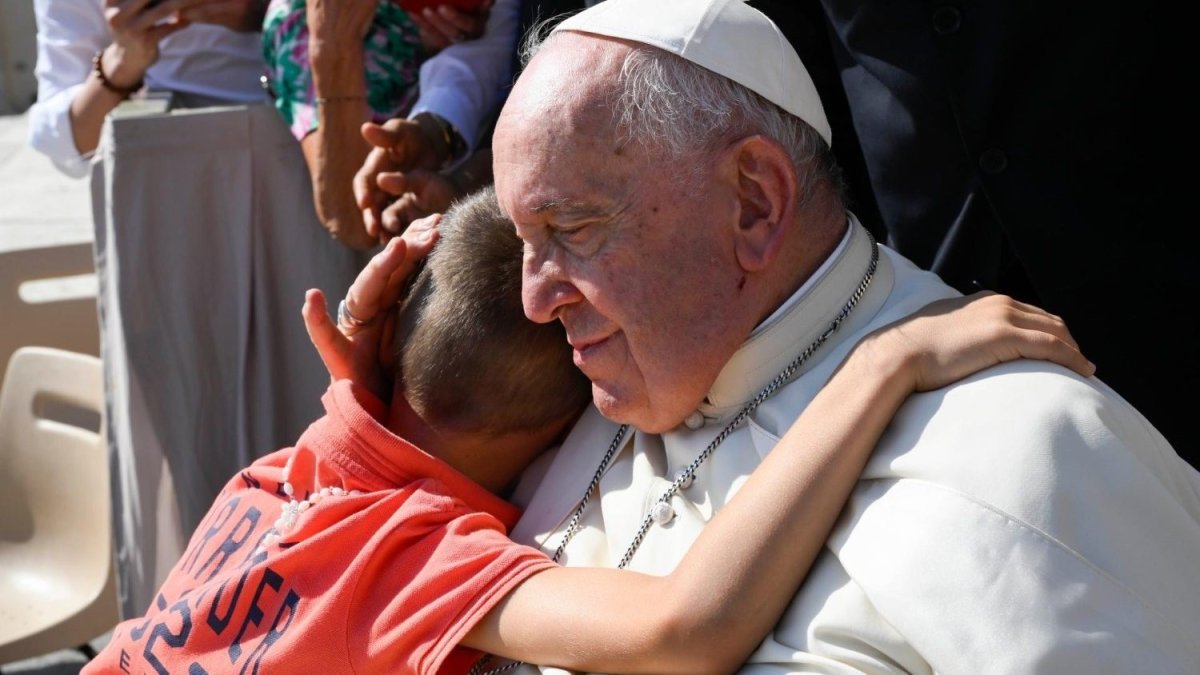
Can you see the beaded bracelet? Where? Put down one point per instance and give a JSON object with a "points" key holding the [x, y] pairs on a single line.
{"points": [[124, 92]]}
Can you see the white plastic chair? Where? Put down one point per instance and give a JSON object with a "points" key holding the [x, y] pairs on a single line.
{"points": [[70, 323], [57, 582]]}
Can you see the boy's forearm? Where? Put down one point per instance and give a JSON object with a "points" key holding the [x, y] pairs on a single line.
{"points": [[745, 567], [734, 583]]}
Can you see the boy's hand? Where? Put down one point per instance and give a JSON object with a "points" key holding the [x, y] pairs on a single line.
{"points": [[951, 339], [362, 353]]}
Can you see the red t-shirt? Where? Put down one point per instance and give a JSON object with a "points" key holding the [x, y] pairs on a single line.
{"points": [[386, 581]]}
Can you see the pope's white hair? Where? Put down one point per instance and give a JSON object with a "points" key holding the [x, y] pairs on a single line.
{"points": [[688, 112]]}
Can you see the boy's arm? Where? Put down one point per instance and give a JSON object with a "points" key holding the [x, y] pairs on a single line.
{"points": [[729, 590]]}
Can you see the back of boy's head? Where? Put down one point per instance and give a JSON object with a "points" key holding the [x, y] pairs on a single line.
{"points": [[467, 357]]}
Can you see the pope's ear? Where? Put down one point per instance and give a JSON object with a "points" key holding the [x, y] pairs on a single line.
{"points": [[766, 192]]}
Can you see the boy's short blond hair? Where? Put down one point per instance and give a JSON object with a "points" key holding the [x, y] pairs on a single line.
{"points": [[467, 357]]}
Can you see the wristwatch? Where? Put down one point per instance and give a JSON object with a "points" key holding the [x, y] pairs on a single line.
{"points": [[456, 146]]}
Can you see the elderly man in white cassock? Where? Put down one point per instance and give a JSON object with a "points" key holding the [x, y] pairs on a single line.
{"points": [[667, 165]]}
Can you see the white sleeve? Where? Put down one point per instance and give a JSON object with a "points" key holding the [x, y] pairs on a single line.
{"points": [[463, 82], [69, 35]]}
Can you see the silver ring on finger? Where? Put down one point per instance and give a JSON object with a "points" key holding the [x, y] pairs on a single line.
{"points": [[349, 323]]}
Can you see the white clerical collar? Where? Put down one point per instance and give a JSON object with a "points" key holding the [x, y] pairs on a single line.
{"points": [[808, 284], [798, 322]]}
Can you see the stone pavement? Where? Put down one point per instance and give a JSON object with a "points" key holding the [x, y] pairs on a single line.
{"points": [[40, 206]]}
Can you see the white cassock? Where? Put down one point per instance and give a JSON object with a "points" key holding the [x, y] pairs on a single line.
{"points": [[1023, 520]]}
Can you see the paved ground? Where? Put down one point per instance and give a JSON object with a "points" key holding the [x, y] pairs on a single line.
{"points": [[40, 206]]}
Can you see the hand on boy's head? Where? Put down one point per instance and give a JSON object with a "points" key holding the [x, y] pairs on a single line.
{"points": [[358, 354], [448, 24]]}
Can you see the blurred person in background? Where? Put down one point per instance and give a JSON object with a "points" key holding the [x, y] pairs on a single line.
{"points": [[94, 54], [334, 65], [419, 165]]}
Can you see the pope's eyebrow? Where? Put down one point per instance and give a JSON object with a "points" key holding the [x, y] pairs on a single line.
{"points": [[570, 208]]}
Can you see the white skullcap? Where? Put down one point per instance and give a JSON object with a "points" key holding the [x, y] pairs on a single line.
{"points": [[728, 37]]}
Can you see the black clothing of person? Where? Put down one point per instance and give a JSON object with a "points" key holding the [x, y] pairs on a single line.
{"points": [[1026, 148]]}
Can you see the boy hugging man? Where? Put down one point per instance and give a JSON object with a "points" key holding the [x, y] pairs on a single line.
{"points": [[375, 544], [379, 546]]}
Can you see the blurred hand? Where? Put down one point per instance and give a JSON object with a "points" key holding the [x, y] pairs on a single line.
{"points": [[398, 146], [245, 16], [447, 25], [419, 194], [364, 355], [137, 29]]}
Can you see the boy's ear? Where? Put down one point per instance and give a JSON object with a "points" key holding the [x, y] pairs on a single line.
{"points": [[766, 190]]}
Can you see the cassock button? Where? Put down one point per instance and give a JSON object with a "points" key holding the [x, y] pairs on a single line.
{"points": [[687, 479], [947, 19], [694, 421], [662, 513], [993, 161]]}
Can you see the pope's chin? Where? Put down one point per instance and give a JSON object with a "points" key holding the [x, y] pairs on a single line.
{"points": [[614, 403], [619, 405]]}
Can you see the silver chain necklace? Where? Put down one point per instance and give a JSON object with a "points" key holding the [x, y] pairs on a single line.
{"points": [[686, 476]]}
